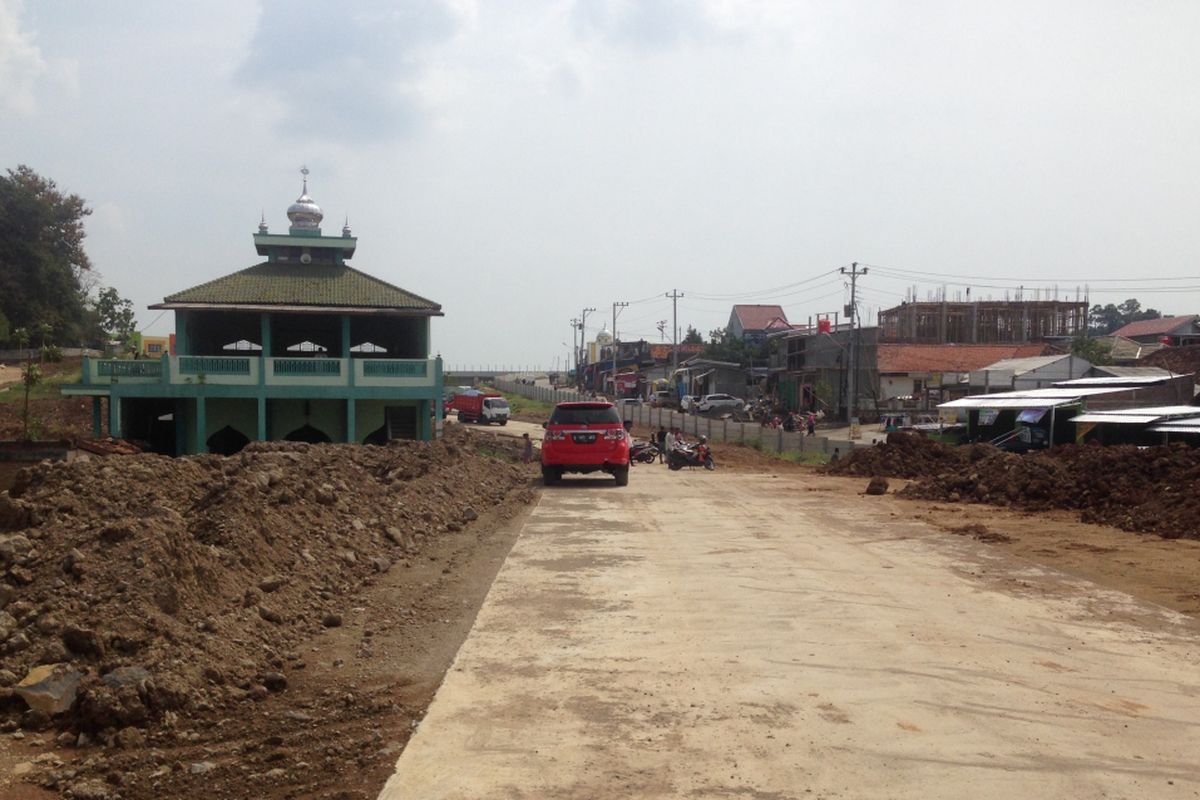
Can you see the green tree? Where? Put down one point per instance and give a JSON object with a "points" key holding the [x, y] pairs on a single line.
{"points": [[116, 315], [42, 260], [1103, 320], [724, 347], [1094, 351], [692, 337]]}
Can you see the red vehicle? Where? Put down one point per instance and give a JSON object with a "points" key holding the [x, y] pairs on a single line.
{"points": [[484, 408], [585, 437]]}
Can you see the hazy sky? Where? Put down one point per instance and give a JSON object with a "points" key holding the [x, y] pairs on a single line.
{"points": [[520, 161]]}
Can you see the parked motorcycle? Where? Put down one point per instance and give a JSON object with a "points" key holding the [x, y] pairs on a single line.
{"points": [[645, 452], [687, 455]]}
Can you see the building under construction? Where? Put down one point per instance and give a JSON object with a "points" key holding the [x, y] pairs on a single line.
{"points": [[985, 322]]}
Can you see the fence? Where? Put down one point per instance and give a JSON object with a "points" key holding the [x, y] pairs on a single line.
{"points": [[717, 430]]}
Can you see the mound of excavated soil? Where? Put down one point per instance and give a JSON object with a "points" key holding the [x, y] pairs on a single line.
{"points": [[180, 587], [907, 455], [1151, 490]]}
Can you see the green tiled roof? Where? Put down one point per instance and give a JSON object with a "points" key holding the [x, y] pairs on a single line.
{"points": [[302, 285]]}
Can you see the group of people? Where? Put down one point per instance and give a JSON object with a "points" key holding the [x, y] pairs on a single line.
{"points": [[793, 422]]}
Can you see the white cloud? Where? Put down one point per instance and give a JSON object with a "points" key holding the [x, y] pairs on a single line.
{"points": [[355, 77], [21, 62]]}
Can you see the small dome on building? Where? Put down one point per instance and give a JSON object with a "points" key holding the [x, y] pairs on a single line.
{"points": [[305, 213], [603, 337]]}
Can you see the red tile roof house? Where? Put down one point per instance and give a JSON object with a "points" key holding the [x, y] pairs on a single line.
{"points": [[752, 323], [1174, 331], [908, 373]]}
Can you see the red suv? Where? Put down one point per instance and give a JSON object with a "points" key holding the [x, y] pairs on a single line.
{"points": [[585, 437]]}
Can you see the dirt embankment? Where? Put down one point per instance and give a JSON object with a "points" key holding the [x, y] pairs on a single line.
{"points": [[1148, 490], [180, 596]]}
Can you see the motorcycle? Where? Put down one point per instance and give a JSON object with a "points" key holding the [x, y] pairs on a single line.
{"points": [[645, 452], [687, 455]]}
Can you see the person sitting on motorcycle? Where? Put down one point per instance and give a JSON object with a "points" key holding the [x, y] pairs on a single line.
{"points": [[702, 449]]}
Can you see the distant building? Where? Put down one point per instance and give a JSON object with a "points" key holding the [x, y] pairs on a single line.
{"points": [[753, 323], [156, 346], [984, 322], [1033, 372], [1173, 331]]}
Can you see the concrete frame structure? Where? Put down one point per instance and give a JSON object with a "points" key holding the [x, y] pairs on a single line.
{"points": [[984, 322]]}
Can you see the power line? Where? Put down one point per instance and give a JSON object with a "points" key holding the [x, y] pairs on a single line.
{"points": [[1018, 280], [763, 292]]}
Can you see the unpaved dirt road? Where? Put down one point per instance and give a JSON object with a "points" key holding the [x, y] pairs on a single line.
{"points": [[747, 636]]}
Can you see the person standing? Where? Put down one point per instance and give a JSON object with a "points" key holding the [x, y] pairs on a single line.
{"points": [[812, 424], [527, 453], [660, 438]]}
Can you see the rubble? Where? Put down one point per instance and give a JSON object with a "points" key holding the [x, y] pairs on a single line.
{"points": [[1147, 490], [139, 591]]}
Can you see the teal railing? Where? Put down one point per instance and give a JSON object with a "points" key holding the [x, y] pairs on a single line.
{"points": [[394, 368], [129, 369], [213, 365], [307, 366]]}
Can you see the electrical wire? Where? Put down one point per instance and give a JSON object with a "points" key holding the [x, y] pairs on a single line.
{"points": [[1018, 280]]}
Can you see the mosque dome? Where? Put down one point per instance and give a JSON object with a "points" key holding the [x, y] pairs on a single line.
{"points": [[305, 214], [603, 337]]}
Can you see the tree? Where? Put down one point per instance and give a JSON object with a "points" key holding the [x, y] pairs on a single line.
{"points": [[42, 259], [116, 314], [1103, 320], [692, 336], [724, 347], [1094, 351]]}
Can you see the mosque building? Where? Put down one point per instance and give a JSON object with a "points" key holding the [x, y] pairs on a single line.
{"points": [[300, 347]]}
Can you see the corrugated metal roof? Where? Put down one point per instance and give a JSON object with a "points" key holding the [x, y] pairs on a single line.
{"points": [[1033, 398], [1131, 372], [1139, 416], [1115, 419], [1177, 426], [1131, 380], [1027, 364]]}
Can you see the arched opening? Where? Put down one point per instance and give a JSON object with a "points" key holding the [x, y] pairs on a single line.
{"points": [[227, 441], [307, 433]]}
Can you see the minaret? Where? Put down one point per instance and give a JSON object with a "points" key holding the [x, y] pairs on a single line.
{"points": [[304, 214]]}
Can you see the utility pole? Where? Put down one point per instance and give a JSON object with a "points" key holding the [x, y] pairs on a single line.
{"points": [[574, 327], [614, 345], [852, 312], [674, 295], [583, 328]]}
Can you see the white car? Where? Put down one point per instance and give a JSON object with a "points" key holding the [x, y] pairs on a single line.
{"points": [[715, 402]]}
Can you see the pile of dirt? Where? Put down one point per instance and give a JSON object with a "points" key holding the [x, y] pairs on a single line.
{"points": [[1150, 490], [1181, 360], [171, 591], [907, 455]]}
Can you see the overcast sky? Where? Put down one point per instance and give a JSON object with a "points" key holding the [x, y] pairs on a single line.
{"points": [[520, 161]]}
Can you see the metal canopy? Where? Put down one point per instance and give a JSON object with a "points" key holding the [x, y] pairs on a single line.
{"points": [[1033, 398], [1139, 416], [1178, 426], [1115, 419]]}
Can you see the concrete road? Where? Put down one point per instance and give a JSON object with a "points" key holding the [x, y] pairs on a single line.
{"points": [[716, 635]]}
